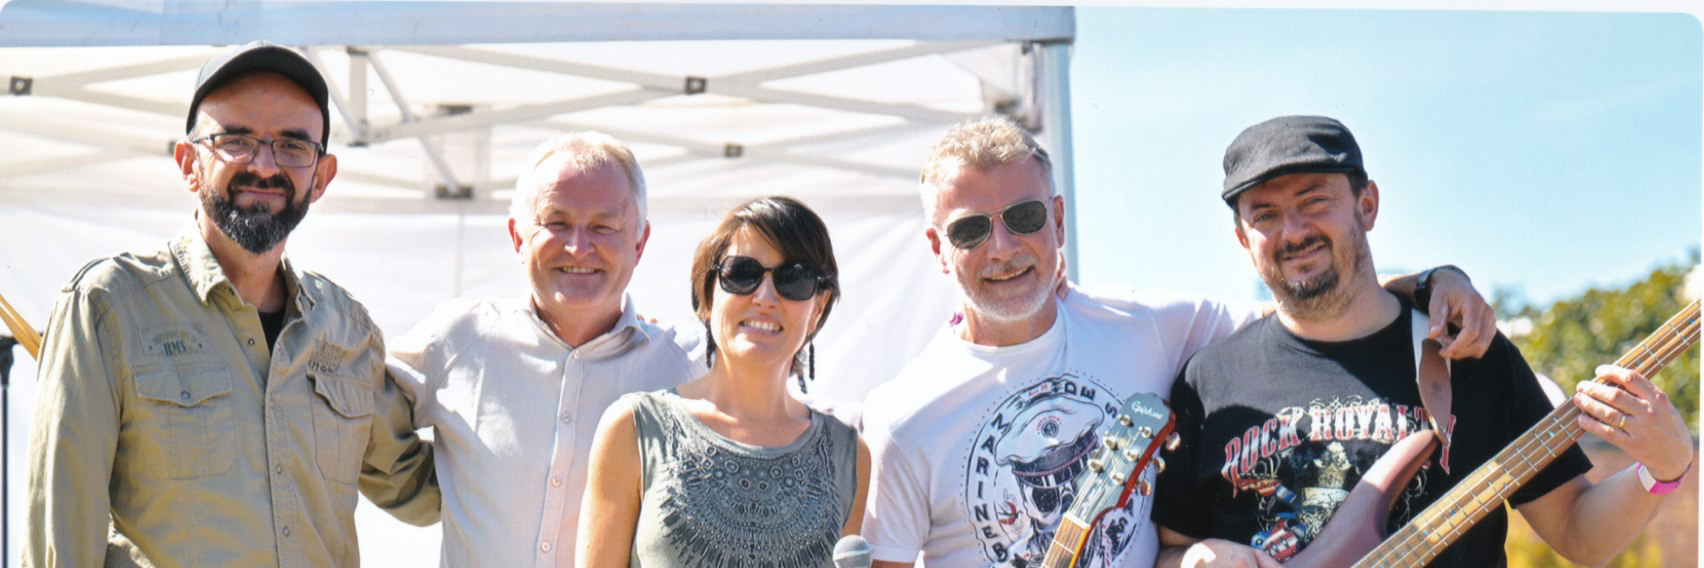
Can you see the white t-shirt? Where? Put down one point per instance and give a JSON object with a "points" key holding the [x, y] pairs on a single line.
{"points": [[976, 448]]}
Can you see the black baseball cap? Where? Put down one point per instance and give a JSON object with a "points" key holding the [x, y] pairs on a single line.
{"points": [[1289, 145], [261, 56]]}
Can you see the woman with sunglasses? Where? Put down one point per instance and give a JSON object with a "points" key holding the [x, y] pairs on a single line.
{"points": [[729, 469]]}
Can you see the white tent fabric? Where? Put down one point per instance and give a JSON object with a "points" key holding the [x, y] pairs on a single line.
{"points": [[437, 102]]}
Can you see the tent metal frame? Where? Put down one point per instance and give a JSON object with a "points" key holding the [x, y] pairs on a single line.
{"points": [[441, 29]]}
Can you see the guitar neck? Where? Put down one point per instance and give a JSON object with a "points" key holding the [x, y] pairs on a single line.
{"points": [[1062, 553], [1488, 487]]}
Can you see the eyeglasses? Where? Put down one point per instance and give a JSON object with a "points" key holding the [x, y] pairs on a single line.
{"points": [[794, 280], [1021, 218], [242, 148]]}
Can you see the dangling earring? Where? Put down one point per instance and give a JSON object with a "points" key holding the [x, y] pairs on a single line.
{"points": [[709, 345], [810, 366]]}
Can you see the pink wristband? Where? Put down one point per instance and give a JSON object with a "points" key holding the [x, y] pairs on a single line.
{"points": [[1655, 487]]}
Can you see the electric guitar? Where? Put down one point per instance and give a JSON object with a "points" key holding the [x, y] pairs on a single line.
{"points": [[1113, 473], [1355, 534]]}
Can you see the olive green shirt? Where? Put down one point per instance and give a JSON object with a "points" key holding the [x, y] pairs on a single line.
{"points": [[161, 412]]}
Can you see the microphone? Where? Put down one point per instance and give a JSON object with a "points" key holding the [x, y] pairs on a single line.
{"points": [[852, 552]]}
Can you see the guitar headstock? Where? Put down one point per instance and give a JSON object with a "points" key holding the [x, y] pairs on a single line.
{"points": [[1127, 446]]}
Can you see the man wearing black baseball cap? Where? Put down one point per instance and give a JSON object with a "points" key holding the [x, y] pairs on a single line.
{"points": [[1282, 419], [212, 403]]}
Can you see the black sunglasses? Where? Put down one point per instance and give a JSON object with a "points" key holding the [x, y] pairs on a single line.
{"points": [[742, 275], [1021, 218]]}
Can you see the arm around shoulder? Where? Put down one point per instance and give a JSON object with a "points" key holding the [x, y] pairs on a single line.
{"points": [[609, 512], [1447, 295], [398, 473]]}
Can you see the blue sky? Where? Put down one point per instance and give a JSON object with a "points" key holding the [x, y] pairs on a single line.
{"points": [[1542, 152]]}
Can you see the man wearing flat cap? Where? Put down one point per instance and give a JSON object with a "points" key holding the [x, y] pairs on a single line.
{"points": [[209, 401], [1282, 419]]}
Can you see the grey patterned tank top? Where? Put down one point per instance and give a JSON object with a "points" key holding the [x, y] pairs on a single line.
{"points": [[711, 502]]}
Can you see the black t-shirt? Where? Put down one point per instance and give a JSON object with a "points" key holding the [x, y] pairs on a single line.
{"points": [[272, 323], [1277, 429]]}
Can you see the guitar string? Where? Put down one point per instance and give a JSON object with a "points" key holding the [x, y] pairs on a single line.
{"points": [[1481, 505], [1063, 555], [1671, 346], [1671, 340]]}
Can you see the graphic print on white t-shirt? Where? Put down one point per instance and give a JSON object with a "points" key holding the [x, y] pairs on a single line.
{"points": [[1019, 478]]}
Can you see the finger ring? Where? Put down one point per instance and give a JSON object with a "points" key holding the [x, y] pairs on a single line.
{"points": [[1622, 423]]}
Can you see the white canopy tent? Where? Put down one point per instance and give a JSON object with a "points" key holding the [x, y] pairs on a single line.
{"points": [[435, 103]]}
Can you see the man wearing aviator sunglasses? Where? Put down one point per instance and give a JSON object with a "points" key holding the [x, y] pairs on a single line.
{"points": [[958, 480], [1021, 218]]}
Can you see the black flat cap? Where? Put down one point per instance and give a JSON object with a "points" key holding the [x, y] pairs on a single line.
{"points": [[261, 56], [1289, 145]]}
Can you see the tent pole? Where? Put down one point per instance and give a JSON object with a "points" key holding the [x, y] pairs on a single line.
{"points": [[1055, 84]]}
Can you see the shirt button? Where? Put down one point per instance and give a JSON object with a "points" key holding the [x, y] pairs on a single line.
{"points": [[566, 417], [556, 481], [545, 546], [251, 341], [278, 469], [286, 531], [184, 395]]}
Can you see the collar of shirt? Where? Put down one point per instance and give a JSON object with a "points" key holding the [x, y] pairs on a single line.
{"points": [[204, 274], [625, 335]]}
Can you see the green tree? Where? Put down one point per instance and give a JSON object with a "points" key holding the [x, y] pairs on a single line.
{"points": [[1570, 338]]}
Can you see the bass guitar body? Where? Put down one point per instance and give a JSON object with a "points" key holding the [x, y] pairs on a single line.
{"points": [[1358, 525]]}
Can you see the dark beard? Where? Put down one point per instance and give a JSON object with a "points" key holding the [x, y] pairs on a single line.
{"points": [[254, 228], [1323, 296], [1319, 285]]}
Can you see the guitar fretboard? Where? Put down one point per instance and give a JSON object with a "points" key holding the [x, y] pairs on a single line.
{"points": [[1485, 490], [1062, 553]]}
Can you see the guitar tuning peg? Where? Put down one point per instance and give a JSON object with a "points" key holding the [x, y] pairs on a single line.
{"points": [[1132, 455], [1159, 464], [1145, 432], [1110, 442], [1119, 478], [1097, 465], [1173, 441], [1144, 488], [1124, 420]]}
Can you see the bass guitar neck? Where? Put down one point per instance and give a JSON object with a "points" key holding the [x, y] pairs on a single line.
{"points": [[1355, 534]]}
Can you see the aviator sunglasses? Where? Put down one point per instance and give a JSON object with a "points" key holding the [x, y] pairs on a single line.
{"points": [[1021, 218], [793, 280]]}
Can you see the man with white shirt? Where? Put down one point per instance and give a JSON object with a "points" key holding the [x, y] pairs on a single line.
{"points": [[513, 387], [977, 442]]}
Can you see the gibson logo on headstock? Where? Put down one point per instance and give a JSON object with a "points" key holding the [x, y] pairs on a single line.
{"points": [[1148, 411]]}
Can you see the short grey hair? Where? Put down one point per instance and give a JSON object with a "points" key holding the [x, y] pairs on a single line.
{"points": [[979, 144], [585, 150]]}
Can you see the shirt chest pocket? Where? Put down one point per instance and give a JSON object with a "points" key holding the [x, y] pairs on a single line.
{"points": [[343, 408], [190, 404]]}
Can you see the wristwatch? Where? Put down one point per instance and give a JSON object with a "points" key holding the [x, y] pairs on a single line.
{"points": [[1655, 487], [1423, 285]]}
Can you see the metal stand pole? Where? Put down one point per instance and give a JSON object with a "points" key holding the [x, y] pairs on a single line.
{"points": [[6, 343]]}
